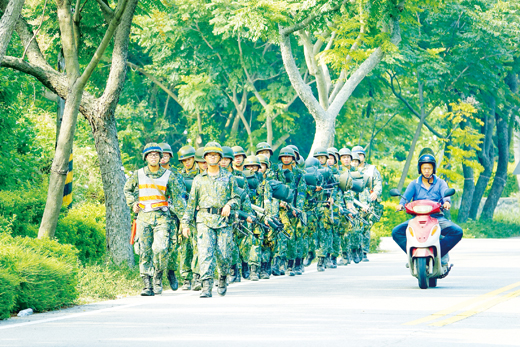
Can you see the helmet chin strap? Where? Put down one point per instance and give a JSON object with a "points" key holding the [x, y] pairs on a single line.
{"points": [[428, 178]]}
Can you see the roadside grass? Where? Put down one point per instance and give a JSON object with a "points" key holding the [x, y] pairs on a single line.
{"points": [[99, 282], [504, 225]]}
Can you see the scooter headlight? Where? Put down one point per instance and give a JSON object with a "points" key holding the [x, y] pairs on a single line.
{"points": [[422, 209]]}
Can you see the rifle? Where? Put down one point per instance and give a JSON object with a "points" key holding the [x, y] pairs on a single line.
{"points": [[299, 214], [240, 217], [273, 223], [369, 210]]}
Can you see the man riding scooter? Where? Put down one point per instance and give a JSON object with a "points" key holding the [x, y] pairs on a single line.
{"points": [[428, 186]]}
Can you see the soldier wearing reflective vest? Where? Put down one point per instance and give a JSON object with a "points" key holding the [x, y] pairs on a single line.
{"points": [[147, 193]]}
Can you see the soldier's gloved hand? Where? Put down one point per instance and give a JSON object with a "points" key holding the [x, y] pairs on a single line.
{"points": [[373, 196], [186, 232], [136, 208], [282, 204], [226, 211], [294, 213], [318, 188], [249, 219]]}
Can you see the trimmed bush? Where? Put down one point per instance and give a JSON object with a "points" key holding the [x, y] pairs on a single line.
{"points": [[84, 227], [45, 270], [8, 286], [26, 206]]}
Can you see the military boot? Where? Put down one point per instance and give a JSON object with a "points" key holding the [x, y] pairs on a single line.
{"points": [[328, 262], [282, 265], [264, 275], [356, 256], [309, 258], [233, 274], [276, 266], [365, 258], [254, 273], [245, 270], [222, 286], [297, 266], [290, 268], [148, 288], [186, 285], [346, 258], [238, 278], [206, 289], [197, 284], [174, 283], [157, 282], [321, 264], [269, 268], [334, 262]]}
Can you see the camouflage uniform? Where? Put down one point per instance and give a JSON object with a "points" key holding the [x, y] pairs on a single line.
{"points": [[364, 197], [214, 235], [187, 247], [153, 240]]}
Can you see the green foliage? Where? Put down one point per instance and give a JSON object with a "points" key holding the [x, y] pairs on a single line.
{"points": [[45, 270], [8, 287], [84, 227], [390, 219], [107, 282]]}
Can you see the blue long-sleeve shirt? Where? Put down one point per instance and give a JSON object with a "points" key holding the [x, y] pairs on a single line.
{"points": [[417, 191]]}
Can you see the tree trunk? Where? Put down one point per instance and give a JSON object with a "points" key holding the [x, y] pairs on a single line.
{"points": [[501, 174], [516, 139], [269, 127], [324, 136], [469, 188], [60, 165], [118, 219], [7, 24], [415, 137], [486, 159]]}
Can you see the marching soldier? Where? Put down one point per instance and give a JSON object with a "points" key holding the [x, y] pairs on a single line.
{"points": [[214, 194], [147, 192]]}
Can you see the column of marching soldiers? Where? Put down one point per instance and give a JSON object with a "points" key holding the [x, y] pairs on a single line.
{"points": [[226, 216]]}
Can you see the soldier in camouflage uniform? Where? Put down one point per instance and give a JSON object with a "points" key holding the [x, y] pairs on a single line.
{"points": [[264, 148], [173, 262], [358, 228], [240, 156], [188, 246], [214, 194], [370, 196], [292, 177], [334, 165], [147, 192], [346, 225], [327, 214]]}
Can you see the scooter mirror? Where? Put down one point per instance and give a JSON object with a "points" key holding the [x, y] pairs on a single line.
{"points": [[449, 192], [394, 192]]}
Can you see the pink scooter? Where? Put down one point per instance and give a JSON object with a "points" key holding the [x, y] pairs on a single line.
{"points": [[423, 240]]}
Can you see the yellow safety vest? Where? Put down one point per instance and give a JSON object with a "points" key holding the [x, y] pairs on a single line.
{"points": [[152, 193]]}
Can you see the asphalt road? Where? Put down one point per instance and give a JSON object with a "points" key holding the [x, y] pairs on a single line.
{"points": [[370, 304]]}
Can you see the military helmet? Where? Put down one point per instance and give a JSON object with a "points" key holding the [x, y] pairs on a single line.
{"points": [[426, 156], [227, 152], [166, 148], [344, 151], [263, 146], [287, 152], [312, 163], [264, 160], [355, 156], [358, 149], [186, 152], [334, 152], [296, 151], [237, 150], [199, 158], [212, 147], [319, 151], [252, 160], [151, 147]]}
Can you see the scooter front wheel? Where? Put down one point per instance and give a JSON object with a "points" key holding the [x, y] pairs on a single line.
{"points": [[422, 273]]}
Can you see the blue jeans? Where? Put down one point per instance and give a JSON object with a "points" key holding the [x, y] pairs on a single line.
{"points": [[452, 234]]}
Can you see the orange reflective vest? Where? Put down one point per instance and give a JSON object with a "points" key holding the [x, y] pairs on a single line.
{"points": [[152, 193]]}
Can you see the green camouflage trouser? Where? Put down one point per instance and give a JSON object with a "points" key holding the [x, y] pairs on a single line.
{"points": [[346, 237], [323, 231], [173, 263], [280, 249], [309, 239], [378, 211], [153, 244], [187, 251], [241, 248], [215, 248]]}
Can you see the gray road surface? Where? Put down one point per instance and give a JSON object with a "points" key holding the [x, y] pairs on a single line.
{"points": [[371, 304]]}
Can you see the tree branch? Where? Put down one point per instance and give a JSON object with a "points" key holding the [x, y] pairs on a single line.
{"points": [[307, 21]]}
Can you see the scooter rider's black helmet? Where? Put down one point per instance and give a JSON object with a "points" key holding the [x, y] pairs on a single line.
{"points": [[426, 156]]}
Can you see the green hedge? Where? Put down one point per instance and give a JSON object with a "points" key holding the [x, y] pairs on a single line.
{"points": [[24, 208], [42, 274]]}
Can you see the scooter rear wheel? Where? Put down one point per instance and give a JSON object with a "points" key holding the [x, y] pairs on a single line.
{"points": [[422, 274]]}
